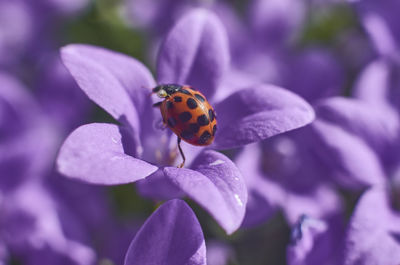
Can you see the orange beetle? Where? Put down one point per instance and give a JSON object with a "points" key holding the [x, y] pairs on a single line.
{"points": [[188, 114]]}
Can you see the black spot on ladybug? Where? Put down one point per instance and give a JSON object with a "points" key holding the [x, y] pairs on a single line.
{"points": [[169, 105], [211, 114], [171, 122], [185, 116], [191, 103], [214, 130], [200, 97], [194, 127], [205, 136], [202, 120], [184, 91], [178, 99], [187, 135]]}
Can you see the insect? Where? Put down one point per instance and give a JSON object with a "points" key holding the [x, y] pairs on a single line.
{"points": [[188, 114]]}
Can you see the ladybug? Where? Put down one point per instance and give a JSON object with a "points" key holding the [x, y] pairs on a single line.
{"points": [[188, 114]]}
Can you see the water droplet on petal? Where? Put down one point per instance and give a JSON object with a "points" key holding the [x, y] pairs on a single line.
{"points": [[239, 201], [217, 162]]}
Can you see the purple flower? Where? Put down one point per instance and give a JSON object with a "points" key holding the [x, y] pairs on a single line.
{"points": [[356, 143], [46, 219], [314, 74], [262, 45], [373, 233], [378, 85], [360, 146], [30, 221], [218, 253], [156, 18], [350, 139], [315, 241], [61, 7], [195, 52], [21, 124], [381, 24], [57, 91], [153, 16], [171, 235], [27, 28], [28, 229], [16, 28], [269, 52], [274, 23], [282, 175]]}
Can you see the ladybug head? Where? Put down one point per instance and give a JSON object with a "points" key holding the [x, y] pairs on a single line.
{"points": [[160, 92], [164, 91]]}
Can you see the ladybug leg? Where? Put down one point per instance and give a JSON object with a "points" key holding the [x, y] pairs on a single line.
{"points": [[182, 154], [157, 105]]}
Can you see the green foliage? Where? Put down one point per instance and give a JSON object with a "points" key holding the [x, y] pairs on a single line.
{"points": [[127, 203], [104, 26], [325, 25]]}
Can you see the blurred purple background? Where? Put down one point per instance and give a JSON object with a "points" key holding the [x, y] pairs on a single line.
{"points": [[304, 168]]}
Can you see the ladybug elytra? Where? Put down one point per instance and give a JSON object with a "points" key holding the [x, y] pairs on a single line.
{"points": [[188, 114]]}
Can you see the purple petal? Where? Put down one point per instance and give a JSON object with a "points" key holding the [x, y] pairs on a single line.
{"points": [[134, 77], [264, 196], [195, 52], [112, 80], [380, 35], [67, 7], [254, 114], [17, 30], [267, 194], [275, 21], [22, 156], [379, 128], [284, 157], [303, 237], [153, 16], [31, 218], [315, 74], [369, 238], [236, 29], [381, 24], [217, 185], [350, 160], [158, 187], [58, 91], [373, 84], [171, 235], [320, 203], [314, 241], [218, 253], [95, 153], [18, 108]]}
